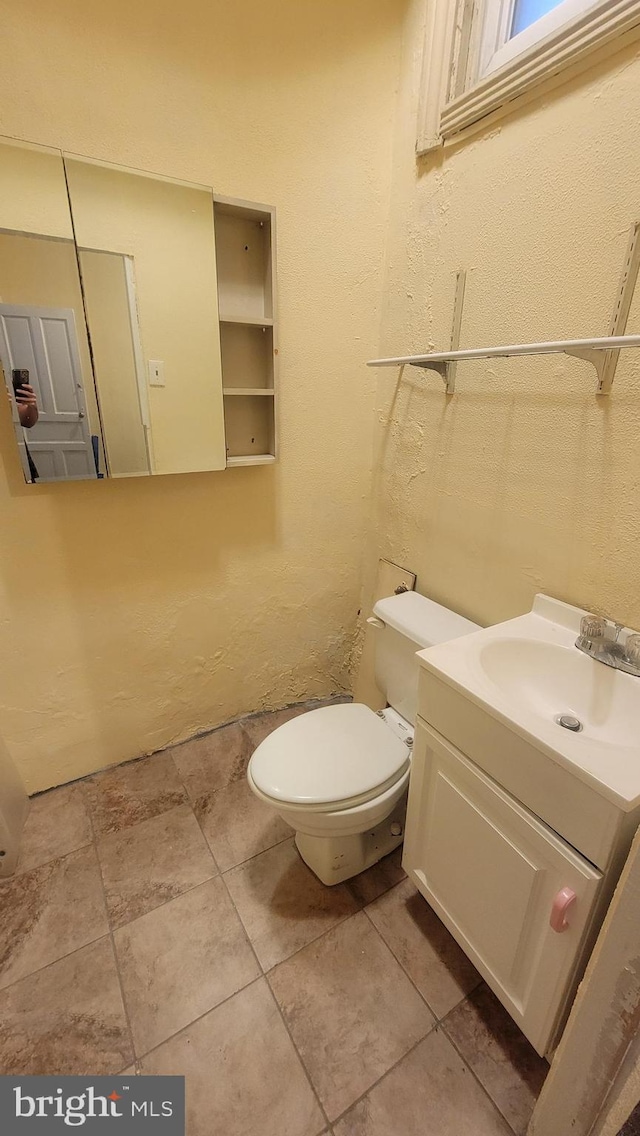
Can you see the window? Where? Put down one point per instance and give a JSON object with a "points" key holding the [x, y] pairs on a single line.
{"points": [[510, 28], [526, 13], [482, 54]]}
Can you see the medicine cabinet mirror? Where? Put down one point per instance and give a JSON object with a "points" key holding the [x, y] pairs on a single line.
{"points": [[110, 334]]}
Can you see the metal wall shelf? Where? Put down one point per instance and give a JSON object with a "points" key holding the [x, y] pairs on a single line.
{"points": [[602, 352], [595, 351]]}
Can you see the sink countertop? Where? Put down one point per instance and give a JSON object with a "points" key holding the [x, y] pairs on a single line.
{"points": [[527, 671]]}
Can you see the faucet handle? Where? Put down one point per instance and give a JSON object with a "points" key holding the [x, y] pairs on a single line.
{"points": [[632, 650], [592, 627]]}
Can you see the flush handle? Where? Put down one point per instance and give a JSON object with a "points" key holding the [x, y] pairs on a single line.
{"points": [[375, 622], [562, 905]]}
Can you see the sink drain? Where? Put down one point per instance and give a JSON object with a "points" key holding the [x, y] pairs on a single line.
{"points": [[569, 722]]}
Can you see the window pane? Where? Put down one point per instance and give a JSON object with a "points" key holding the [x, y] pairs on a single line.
{"points": [[526, 12]]}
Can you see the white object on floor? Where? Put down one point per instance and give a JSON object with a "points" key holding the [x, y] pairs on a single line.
{"points": [[14, 806], [339, 775]]}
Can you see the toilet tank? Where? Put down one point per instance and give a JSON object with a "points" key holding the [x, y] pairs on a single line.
{"points": [[409, 623]]}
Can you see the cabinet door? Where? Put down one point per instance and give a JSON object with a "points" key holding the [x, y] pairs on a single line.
{"points": [[492, 871]]}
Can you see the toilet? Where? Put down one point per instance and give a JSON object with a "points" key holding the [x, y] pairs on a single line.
{"points": [[339, 775]]}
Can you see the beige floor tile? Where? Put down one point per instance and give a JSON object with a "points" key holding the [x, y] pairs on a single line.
{"points": [[66, 1019], [181, 960], [243, 1076], [378, 879], [238, 825], [499, 1054], [153, 862], [430, 1093], [282, 904], [128, 794], [424, 947], [210, 762], [351, 1010], [58, 823], [48, 912]]}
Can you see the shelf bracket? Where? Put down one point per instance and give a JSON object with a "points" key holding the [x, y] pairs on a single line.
{"points": [[441, 369], [592, 355], [447, 371], [621, 307], [456, 323], [605, 362]]}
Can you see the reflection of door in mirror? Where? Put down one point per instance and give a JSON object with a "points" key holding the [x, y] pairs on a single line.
{"points": [[43, 343], [158, 374], [42, 326]]}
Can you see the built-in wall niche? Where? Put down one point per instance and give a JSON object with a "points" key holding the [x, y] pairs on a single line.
{"points": [[245, 255]]}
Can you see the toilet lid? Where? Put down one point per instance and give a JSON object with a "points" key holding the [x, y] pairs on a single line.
{"points": [[329, 755]]}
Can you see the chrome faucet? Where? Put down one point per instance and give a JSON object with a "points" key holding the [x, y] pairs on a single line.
{"points": [[602, 639]]}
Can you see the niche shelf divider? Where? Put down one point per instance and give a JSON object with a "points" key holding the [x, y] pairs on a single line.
{"points": [[245, 256]]}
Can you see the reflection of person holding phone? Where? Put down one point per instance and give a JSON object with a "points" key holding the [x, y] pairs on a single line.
{"points": [[27, 405]]}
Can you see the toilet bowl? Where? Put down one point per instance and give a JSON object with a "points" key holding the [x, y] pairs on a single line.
{"points": [[339, 775]]}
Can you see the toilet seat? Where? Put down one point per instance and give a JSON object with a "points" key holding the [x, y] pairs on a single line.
{"points": [[329, 759]]}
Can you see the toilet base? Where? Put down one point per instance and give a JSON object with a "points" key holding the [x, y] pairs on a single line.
{"points": [[334, 859]]}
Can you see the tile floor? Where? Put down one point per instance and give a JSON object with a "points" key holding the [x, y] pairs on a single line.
{"points": [[162, 921]]}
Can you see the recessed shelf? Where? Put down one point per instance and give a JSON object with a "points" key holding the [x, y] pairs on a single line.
{"points": [[243, 255], [253, 391], [252, 459], [248, 357], [246, 276], [248, 321], [249, 426]]}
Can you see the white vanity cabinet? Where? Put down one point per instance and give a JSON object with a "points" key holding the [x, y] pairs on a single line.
{"points": [[517, 828], [498, 878]]}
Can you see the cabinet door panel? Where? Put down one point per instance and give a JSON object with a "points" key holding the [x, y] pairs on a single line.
{"points": [[492, 870], [486, 880]]}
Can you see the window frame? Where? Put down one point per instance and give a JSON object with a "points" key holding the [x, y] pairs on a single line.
{"points": [[454, 93]]}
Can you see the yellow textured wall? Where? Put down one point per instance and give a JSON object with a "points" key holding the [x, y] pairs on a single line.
{"points": [[523, 481], [136, 612]]}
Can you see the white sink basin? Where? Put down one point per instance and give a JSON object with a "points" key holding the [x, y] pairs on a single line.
{"points": [[528, 672], [552, 680]]}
